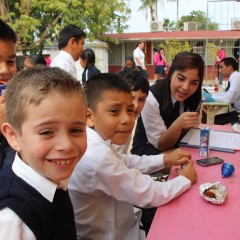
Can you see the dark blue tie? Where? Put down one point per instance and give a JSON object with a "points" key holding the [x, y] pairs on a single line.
{"points": [[228, 86], [176, 110]]}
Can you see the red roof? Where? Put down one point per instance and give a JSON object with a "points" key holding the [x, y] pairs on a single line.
{"points": [[181, 35]]}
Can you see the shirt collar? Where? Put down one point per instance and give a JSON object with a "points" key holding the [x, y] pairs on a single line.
{"points": [[43, 185], [68, 56], [95, 137], [173, 100]]}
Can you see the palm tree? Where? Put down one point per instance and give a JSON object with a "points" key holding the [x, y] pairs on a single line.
{"points": [[150, 5], [177, 11], [168, 25]]}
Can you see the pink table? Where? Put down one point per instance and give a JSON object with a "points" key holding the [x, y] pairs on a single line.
{"points": [[190, 217]]}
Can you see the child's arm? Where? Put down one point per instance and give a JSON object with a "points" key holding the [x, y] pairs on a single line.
{"points": [[176, 157]]}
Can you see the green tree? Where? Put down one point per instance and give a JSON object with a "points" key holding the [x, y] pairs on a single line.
{"points": [[168, 25], [149, 6], [37, 21], [201, 18], [173, 47]]}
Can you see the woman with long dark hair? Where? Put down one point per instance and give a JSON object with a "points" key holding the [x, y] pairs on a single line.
{"points": [[172, 106]]}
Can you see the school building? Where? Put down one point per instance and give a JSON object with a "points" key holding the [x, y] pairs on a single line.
{"points": [[200, 41]]}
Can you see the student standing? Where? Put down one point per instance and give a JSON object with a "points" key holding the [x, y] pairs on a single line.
{"points": [[171, 107], [220, 55], [105, 184], [70, 44], [8, 69], [49, 136], [160, 64]]}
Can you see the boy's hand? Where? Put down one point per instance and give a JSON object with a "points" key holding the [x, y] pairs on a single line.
{"points": [[177, 157], [189, 172], [2, 111]]}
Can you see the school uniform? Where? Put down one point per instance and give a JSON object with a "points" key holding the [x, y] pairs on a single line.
{"points": [[231, 95], [89, 72], [6, 152], [65, 61], [105, 185], [32, 207]]}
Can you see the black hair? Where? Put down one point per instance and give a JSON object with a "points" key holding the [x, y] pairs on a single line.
{"points": [[96, 85], [89, 55], [67, 33], [229, 61], [7, 33], [182, 62], [160, 55], [37, 59], [135, 79], [155, 49]]}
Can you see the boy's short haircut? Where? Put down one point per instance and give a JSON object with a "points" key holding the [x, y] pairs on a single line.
{"points": [[100, 83], [6, 32], [32, 85], [68, 32], [135, 79], [230, 61]]}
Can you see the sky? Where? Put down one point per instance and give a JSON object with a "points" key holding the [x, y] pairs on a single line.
{"points": [[221, 12]]}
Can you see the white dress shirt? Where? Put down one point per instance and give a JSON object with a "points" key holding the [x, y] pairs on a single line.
{"points": [[233, 93], [105, 185], [12, 227], [65, 61], [140, 54]]}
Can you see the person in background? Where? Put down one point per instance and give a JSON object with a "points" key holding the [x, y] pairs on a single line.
{"points": [[105, 184], [220, 55], [87, 61], [49, 136], [139, 58], [8, 69], [33, 60], [139, 86], [160, 64], [172, 106], [129, 63], [70, 44], [228, 69]]}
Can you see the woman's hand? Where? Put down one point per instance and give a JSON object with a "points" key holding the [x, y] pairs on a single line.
{"points": [[186, 120]]}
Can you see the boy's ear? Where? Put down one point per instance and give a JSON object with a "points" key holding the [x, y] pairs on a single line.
{"points": [[72, 41], [11, 135], [90, 118]]}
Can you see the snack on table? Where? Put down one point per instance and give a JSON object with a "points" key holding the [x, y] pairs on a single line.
{"points": [[213, 192]]}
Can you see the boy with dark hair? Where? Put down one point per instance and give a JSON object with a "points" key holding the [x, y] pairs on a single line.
{"points": [[139, 86], [8, 69], [105, 184], [229, 69], [49, 136], [70, 44]]}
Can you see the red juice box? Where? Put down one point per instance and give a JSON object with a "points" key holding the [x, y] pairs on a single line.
{"points": [[204, 142]]}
